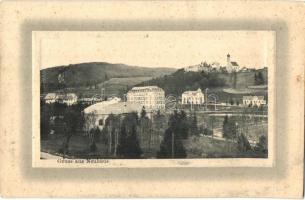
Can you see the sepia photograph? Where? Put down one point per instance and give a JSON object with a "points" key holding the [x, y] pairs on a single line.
{"points": [[154, 95], [152, 99]]}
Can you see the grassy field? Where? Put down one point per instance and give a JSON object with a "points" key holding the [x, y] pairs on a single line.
{"points": [[243, 79], [205, 147]]}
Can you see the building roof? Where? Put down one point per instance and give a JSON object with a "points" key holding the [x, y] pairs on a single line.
{"points": [[101, 105], [50, 96], [258, 87], [193, 92], [54, 96], [233, 63], [253, 98], [114, 108], [69, 96], [149, 88]]}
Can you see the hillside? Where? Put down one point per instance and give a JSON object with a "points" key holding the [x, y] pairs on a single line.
{"points": [[119, 86], [243, 79], [88, 74], [180, 81]]}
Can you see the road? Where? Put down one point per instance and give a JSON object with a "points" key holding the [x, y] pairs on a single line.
{"points": [[47, 156]]}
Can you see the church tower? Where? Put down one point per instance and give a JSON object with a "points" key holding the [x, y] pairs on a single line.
{"points": [[228, 60], [229, 64]]}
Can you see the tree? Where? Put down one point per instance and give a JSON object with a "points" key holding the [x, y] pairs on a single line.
{"points": [[89, 121], [95, 133], [145, 132], [262, 145], [243, 143], [111, 133], [234, 78], [158, 127], [194, 125], [179, 123], [259, 78], [171, 146], [180, 81], [132, 149], [207, 131], [229, 128], [59, 109], [42, 87], [225, 121], [106, 77], [71, 120], [143, 112], [129, 146], [122, 147], [45, 114]]}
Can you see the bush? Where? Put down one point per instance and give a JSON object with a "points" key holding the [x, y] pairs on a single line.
{"points": [[207, 131]]}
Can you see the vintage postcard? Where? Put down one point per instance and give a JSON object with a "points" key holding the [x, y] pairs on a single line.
{"points": [[153, 98]]}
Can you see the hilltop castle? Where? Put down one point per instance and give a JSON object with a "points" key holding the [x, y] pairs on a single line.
{"points": [[230, 67]]}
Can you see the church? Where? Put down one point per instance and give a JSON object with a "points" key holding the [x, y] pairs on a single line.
{"points": [[232, 66]]}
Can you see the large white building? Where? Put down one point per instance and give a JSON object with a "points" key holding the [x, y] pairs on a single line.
{"points": [[151, 97], [253, 100], [193, 97]]}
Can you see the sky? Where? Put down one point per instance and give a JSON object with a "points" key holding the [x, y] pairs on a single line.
{"points": [[175, 49]]}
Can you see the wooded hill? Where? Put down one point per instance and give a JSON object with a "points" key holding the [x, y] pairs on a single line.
{"points": [[88, 74]]}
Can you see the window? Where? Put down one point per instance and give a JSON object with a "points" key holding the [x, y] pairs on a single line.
{"points": [[101, 122]]}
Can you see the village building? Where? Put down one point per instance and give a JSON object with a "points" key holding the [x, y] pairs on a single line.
{"points": [[151, 97], [193, 97], [88, 100], [69, 98], [50, 98], [253, 101], [96, 114]]}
